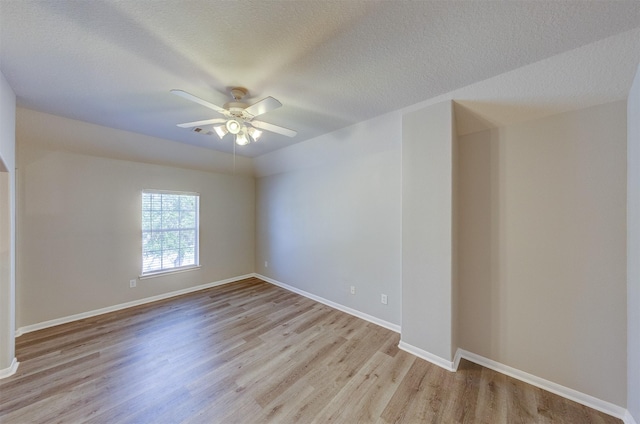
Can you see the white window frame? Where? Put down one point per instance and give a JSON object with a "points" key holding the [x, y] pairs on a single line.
{"points": [[165, 269]]}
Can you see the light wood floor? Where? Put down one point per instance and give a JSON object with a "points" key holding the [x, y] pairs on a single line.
{"points": [[249, 352]]}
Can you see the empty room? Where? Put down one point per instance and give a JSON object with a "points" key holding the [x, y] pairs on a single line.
{"points": [[287, 211]]}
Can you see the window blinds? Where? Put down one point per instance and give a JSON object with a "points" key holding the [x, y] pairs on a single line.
{"points": [[170, 222]]}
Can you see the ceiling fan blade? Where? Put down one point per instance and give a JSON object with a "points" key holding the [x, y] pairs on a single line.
{"points": [[198, 100], [274, 128], [263, 106], [205, 122]]}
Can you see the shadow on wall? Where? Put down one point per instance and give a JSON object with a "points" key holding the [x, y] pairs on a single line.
{"points": [[5, 228], [472, 116], [5, 265], [481, 243]]}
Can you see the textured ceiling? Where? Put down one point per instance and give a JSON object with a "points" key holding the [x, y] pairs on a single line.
{"points": [[331, 63]]}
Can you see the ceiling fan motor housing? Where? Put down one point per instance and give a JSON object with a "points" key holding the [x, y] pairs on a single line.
{"points": [[238, 92], [237, 110]]}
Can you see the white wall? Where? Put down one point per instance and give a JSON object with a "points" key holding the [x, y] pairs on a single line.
{"points": [[542, 243], [427, 231], [7, 227], [331, 216], [633, 249], [79, 236]]}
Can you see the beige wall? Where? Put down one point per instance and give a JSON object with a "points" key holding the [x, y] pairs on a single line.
{"points": [[542, 248], [427, 230], [79, 225], [633, 249], [7, 226], [329, 216], [82, 137]]}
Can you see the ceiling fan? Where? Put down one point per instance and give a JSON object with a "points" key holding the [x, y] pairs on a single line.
{"points": [[238, 117]]}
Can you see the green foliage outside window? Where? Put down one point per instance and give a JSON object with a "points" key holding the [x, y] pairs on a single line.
{"points": [[169, 231]]}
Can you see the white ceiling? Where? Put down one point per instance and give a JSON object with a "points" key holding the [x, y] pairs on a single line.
{"points": [[331, 63]]}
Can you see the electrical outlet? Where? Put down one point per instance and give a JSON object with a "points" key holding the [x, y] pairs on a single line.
{"points": [[132, 283], [383, 299], [353, 289], [266, 264]]}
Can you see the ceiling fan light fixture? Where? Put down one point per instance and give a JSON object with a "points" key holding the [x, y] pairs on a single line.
{"points": [[233, 126], [237, 117], [221, 130], [254, 133], [242, 139]]}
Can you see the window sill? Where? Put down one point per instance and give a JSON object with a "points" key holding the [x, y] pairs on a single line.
{"points": [[168, 272]]}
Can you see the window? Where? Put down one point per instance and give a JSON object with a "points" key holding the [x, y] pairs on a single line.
{"points": [[170, 222]]}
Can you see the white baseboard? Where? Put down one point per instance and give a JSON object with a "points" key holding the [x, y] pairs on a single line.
{"points": [[346, 309], [7, 372], [427, 356], [571, 394], [83, 315]]}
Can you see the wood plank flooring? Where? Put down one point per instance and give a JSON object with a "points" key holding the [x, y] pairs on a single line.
{"points": [[250, 352]]}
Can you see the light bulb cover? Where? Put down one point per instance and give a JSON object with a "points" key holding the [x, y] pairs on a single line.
{"points": [[221, 130], [254, 133], [233, 126], [242, 139]]}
